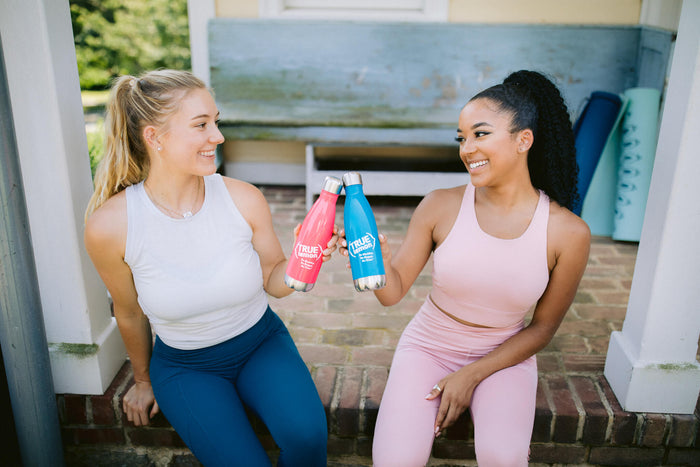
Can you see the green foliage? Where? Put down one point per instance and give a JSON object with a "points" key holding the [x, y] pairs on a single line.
{"points": [[95, 141], [116, 37]]}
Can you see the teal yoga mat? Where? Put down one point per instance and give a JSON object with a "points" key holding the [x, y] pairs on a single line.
{"points": [[599, 204], [639, 136]]}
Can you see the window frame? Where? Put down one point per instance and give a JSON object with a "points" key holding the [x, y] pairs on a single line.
{"points": [[364, 10]]}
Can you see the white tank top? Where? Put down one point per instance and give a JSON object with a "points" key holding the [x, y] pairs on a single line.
{"points": [[198, 280]]}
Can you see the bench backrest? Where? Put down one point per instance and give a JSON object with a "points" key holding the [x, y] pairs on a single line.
{"points": [[411, 75]]}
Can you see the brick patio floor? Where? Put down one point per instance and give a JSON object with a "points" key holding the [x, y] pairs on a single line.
{"points": [[347, 339]]}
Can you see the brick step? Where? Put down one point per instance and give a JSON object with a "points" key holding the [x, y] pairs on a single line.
{"points": [[578, 421]]}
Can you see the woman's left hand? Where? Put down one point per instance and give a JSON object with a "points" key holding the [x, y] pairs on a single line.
{"points": [[456, 391]]}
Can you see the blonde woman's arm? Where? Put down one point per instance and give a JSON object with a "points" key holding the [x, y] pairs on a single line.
{"points": [[255, 209], [105, 240]]}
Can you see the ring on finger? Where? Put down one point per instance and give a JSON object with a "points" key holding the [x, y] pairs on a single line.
{"points": [[437, 387]]}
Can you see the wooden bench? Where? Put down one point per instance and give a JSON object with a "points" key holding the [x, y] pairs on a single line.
{"points": [[356, 84]]}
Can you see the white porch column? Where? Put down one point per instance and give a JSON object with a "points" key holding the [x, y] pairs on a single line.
{"points": [[651, 364], [199, 12], [84, 343]]}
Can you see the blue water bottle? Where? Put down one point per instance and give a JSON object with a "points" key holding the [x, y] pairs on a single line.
{"points": [[361, 234]]}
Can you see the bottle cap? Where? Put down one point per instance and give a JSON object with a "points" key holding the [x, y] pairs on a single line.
{"points": [[332, 185], [352, 178]]}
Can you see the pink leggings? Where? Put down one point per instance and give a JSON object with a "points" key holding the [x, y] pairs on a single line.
{"points": [[503, 405]]}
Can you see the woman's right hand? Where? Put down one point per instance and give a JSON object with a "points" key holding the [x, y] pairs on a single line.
{"points": [[140, 404], [383, 244]]}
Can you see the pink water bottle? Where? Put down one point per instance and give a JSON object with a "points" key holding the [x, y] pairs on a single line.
{"points": [[316, 231]]}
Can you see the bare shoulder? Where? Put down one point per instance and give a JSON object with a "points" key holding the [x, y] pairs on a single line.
{"points": [[248, 198], [567, 230], [438, 211], [238, 185], [107, 226], [437, 202], [242, 191]]}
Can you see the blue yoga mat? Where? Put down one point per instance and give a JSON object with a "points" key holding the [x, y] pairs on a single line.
{"points": [[639, 136], [599, 204], [591, 131]]}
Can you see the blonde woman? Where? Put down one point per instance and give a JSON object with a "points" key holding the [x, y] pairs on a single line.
{"points": [[193, 255]]}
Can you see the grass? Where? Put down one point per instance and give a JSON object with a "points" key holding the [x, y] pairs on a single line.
{"points": [[93, 107], [95, 140], [94, 99]]}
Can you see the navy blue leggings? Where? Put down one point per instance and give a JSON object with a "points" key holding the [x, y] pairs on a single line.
{"points": [[203, 393]]}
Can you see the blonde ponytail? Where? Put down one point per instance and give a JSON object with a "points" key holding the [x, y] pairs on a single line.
{"points": [[133, 104]]}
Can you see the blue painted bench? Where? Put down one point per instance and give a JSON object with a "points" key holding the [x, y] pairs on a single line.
{"points": [[357, 84]]}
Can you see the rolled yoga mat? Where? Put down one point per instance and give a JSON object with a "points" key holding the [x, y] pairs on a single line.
{"points": [[639, 136], [599, 204], [591, 131]]}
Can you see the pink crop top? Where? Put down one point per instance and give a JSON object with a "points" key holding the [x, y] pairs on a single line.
{"points": [[487, 280]]}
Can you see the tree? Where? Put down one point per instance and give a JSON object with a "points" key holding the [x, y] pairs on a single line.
{"points": [[115, 37]]}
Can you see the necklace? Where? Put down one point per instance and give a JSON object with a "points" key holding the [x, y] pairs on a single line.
{"points": [[172, 212]]}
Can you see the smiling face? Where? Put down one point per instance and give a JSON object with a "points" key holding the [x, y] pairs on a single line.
{"points": [[487, 147], [189, 139]]}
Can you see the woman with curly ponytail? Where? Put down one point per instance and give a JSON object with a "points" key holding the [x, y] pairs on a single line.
{"points": [[192, 255], [504, 244], [535, 101]]}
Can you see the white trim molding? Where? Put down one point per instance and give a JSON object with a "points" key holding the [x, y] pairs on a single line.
{"points": [[652, 363], [661, 13], [364, 10], [85, 347], [199, 12]]}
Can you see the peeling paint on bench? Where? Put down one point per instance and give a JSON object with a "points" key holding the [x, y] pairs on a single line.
{"points": [[359, 83]]}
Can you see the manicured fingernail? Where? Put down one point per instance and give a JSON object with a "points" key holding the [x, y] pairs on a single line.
{"points": [[437, 430]]}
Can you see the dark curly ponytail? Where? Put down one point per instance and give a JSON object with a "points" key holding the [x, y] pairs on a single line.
{"points": [[536, 103]]}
